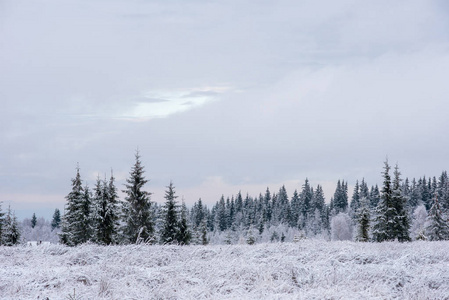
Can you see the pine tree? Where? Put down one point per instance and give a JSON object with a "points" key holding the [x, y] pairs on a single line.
{"points": [[11, 231], [436, 227], [33, 220], [2, 221], [137, 219], [169, 231], [106, 213], [355, 200], [56, 220], [74, 225], [401, 220], [340, 202], [385, 212], [184, 235], [305, 200], [363, 220]]}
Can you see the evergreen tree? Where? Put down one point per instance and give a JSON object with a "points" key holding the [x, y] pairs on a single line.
{"points": [[137, 218], [385, 212], [436, 227], [363, 220], [374, 196], [340, 202], [295, 209], [56, 220], [74, 227], [305, 200], [106, 214], [184, 235], [401, 220], [355, 200], [2, 221], [169, 231], [33, 220], [11, 231]]}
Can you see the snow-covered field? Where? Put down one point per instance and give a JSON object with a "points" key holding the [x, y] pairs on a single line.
{"points": [[306, 270]]}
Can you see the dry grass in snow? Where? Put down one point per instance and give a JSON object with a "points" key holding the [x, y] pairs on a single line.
{"points": [[305, 270]]}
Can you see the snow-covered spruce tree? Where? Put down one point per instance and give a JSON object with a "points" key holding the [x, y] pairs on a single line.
{"points": [[340, 202], [106, 215], [305, 200], [33, 220], [401, 220], [383, 229], [76, 228], [436, 227], [169, 230], [363, 220], [56, 220], [355, 200], [2, 221], [11, 232], [138, 223], [184, 235]]}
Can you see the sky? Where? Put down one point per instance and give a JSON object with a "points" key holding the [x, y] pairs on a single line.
{"points": [[218, 96]]}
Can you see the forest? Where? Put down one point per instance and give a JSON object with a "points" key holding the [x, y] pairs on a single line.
{"points": [[400, 209]]}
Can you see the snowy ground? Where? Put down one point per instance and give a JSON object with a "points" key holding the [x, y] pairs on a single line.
{"points": [[305, 270]]}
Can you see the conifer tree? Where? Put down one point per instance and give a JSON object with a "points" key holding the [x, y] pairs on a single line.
{"points": [[106, 214], [11, 231], [137, 219], [184, 235], [2, 221], [374, 196], [340, 202], [355, 200], [295, 209], [170, 229], [385, 212], [33, 220], [305, 200], [74, 227], [436, 227], [401, 220], [363, 220], [56, 220]]}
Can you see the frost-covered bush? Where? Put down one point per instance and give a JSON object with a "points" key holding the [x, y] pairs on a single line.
{"points": [[341, 228], [41, 232], [418, 222]]}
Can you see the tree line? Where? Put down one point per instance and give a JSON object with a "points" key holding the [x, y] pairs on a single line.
{"points": [[400, 210]]}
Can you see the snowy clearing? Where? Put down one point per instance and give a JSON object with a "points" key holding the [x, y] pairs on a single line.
{"points": [[310, 269]]}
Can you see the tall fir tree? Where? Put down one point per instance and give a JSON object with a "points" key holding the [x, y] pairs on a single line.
{"points": [[11, 231], [75, 230], [401, 219], [106, 217], [363, 220], [56, 220], [305, 200], [169, 231], [184, 235], [138, 223], [33, 220], [355, 200], [2, 221], [383, 228], [436, 227]]}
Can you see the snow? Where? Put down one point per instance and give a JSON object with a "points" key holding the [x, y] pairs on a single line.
{"points": [[309, 269]]}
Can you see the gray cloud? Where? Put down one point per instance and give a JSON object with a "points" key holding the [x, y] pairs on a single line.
{"points": [[307, 89]]}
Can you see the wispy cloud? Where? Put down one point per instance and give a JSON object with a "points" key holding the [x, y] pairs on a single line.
{"points": [[161, 104]]}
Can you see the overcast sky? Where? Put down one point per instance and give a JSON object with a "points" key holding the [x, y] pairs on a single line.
{"points": [[218, 96]]}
